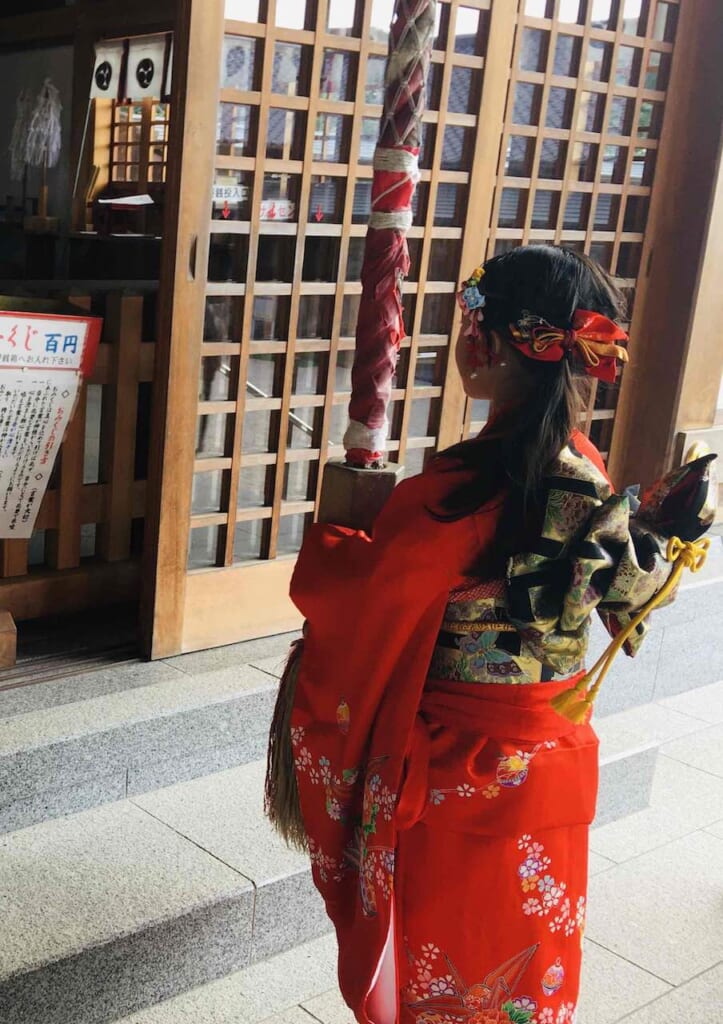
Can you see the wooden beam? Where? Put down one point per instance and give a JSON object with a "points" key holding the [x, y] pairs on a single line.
{"points": [[673, 253], [198, 42], [104, 18]]}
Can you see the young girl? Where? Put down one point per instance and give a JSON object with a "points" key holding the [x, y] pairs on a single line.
{"points": [[446, 801]]}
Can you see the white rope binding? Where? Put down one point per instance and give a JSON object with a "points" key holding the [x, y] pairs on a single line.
{"points": [[369, 439]]}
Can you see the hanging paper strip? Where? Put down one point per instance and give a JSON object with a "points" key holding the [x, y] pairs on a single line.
{"points": [[107, 70], [380, 324], [146, 62]]}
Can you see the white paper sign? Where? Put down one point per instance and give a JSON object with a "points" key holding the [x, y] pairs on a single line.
{"points": [[144, 79], [107, 71], [277, 209], [230, 194], [43, 359]]}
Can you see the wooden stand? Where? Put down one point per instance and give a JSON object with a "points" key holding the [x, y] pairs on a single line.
{"points": [[8, 640], [354, 497]]}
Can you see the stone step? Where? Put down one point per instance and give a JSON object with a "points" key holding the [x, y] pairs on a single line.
{"points": [[72, 744], [77, 743], [117, 908]]}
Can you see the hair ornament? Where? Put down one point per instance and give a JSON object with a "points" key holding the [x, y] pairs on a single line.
{"points": [[596, 339]]}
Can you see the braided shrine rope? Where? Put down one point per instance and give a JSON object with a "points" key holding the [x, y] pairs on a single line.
{"points": [[380, 323]]}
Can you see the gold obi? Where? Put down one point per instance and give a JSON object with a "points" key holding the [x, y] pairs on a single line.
{"points": [[477, 643]]}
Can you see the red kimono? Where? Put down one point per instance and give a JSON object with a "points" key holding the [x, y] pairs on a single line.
{"points": [[447, 819]]}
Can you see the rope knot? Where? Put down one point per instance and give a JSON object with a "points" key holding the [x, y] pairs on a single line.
{"points": [[691, 554]]}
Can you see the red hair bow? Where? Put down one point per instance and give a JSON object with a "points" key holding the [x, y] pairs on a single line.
{"points": [[592, 336]]}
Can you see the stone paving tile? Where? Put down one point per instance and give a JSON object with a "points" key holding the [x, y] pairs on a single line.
{"points": [[705, 703], [330, 1008], [683, 799], [598, 863], [641, 727], [698, 1000], [662, 911], [234, 655], [716, 829], [703, 750], [612, 986]]}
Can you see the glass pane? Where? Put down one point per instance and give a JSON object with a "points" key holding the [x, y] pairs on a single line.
{"points": [[321, 258], [629, 259], [355, 258], [338, 76], [275, 260], [215, 378], [622, 110], [291, 13], [228, 257], [437, 313], [264, 375], [559, 107], [326, 199], [368, 139], [635, 16], [285, 134], [349, 313], [91, 451], [602, 253], [444, 257], [599, 57], [304, 427], [552, 158], [666, 20], [606, 212], [211, 435], [259, 430], [270, 320], [382, 14], [457, 148], [236, 130], [309, 373], [241, 10], [643, 167], [650, 120], [533, 49], [526, 108], [585, 159], [344, 362], [238, 62], [572, 11], [636, 213], [577, 211], [591, 112], [203, 547], [87, 541], [628, 69], [362, 202], [463, 91], [249, 540], [602, 14], [544, 208], [467, 31], [341, 17], [613, 165], [300, 481], [518, 162], [222, 318], [513, 205], [206, 493], [567, 56], [290, 73], [658, 70], [291, 533], [331, 138], [538, 8], [315, 316], [451, 205], [374, 89], [255, 486]]}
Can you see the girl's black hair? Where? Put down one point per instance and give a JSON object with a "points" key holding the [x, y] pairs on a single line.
{"points": [[511, 456]]}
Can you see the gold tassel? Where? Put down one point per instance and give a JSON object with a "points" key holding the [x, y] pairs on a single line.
{"points": [[281, 794], [576, 703]]}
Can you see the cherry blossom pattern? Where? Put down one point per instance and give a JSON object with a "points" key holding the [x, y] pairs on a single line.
{"points": [[512, 771], [544, 893]]}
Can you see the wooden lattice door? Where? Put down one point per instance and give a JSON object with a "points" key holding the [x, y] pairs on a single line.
{"points": [[273, 193]]}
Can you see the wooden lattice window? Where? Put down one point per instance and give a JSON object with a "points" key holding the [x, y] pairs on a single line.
{"points": [[139, 142], [577, 161]]}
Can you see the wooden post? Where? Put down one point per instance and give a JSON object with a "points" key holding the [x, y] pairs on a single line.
{"points": [[672, 265], [8, 640]]}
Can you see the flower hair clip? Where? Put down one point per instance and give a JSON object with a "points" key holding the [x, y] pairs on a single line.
{"points": [[471, 301]]}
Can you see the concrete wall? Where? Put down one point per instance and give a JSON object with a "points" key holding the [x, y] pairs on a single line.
{"points": [[27, 70]]}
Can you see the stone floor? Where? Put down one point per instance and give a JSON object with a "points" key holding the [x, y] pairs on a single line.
{"points": [[654, 946]]}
